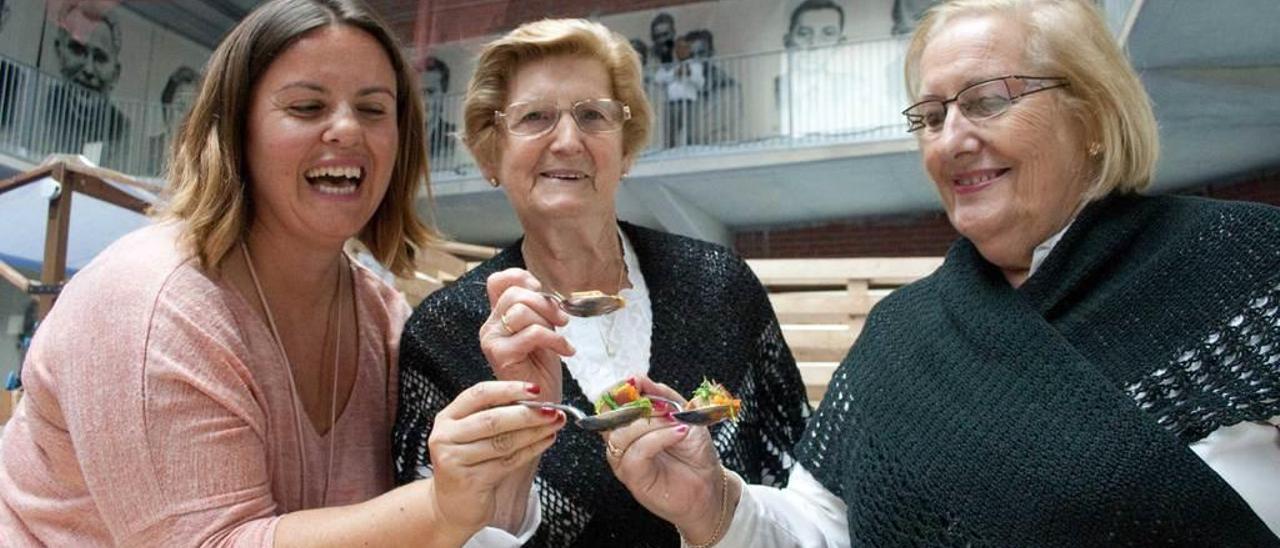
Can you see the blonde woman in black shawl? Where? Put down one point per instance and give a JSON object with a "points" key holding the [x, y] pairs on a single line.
{"points": [[1088, 367]]}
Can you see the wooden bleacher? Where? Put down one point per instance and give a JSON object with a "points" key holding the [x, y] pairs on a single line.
{"points": [[822, 304]]}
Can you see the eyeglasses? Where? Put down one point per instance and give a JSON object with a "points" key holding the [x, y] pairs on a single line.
{"points": [[981, 101], [531, 118]]}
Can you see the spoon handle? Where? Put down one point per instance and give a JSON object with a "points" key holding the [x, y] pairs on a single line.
{"points": [[576, 413]]}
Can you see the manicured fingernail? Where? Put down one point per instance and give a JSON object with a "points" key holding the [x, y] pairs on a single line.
{"points": [[533, 389], [669, 416], [682, 429], [548, 411]]}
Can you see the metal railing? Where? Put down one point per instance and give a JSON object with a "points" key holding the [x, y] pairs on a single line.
{"points": [[42, 114], [842, 93]]}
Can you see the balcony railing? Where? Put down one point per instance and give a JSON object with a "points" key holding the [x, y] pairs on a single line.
{"points": [[844, 93], [42, 114]]}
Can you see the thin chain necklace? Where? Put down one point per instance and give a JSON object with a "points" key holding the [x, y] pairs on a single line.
{"points": [[293, 387], [606, 334]]}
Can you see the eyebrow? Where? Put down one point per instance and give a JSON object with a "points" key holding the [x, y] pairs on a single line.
{"points": [[968, 83], [312, 86]]}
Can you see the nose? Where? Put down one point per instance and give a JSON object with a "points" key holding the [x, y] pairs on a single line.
{"points": [[958, 135], [566, 136], [344, 128]]}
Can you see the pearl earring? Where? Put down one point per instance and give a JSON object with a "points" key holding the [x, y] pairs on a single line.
{"points": [[1095, 149], [493, 182]]}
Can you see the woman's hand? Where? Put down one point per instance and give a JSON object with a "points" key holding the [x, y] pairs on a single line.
{"points": [[519, 338], [479, 440], [672, 469]]}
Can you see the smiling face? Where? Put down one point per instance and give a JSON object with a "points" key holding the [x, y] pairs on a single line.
{"points": [[564, 173], [1009, 182], [321, 138]]}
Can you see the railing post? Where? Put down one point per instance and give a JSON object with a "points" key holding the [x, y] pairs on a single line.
{"points": [[54, 268]]}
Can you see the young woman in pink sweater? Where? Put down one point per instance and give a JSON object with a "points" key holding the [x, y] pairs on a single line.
{"points": [[227, 375]]}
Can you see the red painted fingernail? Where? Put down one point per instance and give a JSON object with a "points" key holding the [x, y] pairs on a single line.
{"points": [[533, 389], [669, 416], [548, 411], [682, 429]]}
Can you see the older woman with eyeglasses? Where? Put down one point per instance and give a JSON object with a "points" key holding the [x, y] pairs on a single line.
{"points": [[1088, 367], [555, 115]]}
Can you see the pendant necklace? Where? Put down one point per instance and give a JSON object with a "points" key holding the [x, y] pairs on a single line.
{"points": [[293, 387]]}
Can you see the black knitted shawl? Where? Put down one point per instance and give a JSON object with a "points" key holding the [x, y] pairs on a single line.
{"points": [[711, 318], [1060, 413]]}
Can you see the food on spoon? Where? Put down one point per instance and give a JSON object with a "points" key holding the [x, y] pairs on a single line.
{"points": [[711, 393], [623, 395]]}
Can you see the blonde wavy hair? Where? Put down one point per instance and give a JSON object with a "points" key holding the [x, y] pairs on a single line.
{"points": [[207, 183], [1070, 38], [487, 91]]}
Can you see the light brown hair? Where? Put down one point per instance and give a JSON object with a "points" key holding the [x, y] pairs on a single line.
{"points": [[487, 91], [208, 187]]}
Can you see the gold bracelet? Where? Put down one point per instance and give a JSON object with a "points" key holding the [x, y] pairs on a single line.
{"points": [[720, 521]]}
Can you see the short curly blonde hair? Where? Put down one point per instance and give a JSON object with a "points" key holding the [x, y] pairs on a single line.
{"points": [[1070, 38], [487, 91]]}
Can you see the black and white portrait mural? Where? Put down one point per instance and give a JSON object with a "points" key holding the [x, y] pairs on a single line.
{"points": [[907, 13], [754, 69], [815, 23], [176, 97], [441, 125], [78, 111]]}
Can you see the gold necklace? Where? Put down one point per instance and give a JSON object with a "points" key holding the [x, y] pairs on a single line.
{"points": [[293, 387]]}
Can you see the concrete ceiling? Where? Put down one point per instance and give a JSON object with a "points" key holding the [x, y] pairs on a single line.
{"points": [[1211, 68]]}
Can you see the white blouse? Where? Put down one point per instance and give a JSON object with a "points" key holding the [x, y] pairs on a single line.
{"points": [[610, 348]]}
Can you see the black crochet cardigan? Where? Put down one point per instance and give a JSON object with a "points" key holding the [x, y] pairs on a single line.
{"points": [[1060, 413], [711, 318]]}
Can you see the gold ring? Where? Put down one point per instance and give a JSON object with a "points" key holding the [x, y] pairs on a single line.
{"points": [[613, 451], [505, 327]]}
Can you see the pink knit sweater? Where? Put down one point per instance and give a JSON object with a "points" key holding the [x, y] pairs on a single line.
{"points": [[158, 412]]}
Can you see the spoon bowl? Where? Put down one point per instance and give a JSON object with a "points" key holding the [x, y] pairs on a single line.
{"points": [[586, 304], [593, 423], [583, 304], [704, 416]]}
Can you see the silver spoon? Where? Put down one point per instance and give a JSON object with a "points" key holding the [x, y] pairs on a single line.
{"points": [[593, 423], [583, 304], [703, 416]]}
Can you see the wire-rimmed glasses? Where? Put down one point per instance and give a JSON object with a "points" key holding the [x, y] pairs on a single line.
{"points": [[533, 118], [979, 101]]}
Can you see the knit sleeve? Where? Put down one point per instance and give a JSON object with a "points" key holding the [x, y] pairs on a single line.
{"points": [[773, 387], [439, 357]]}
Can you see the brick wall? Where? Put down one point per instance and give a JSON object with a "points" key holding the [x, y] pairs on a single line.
{"points": [[929, 234], [922, 235]]}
